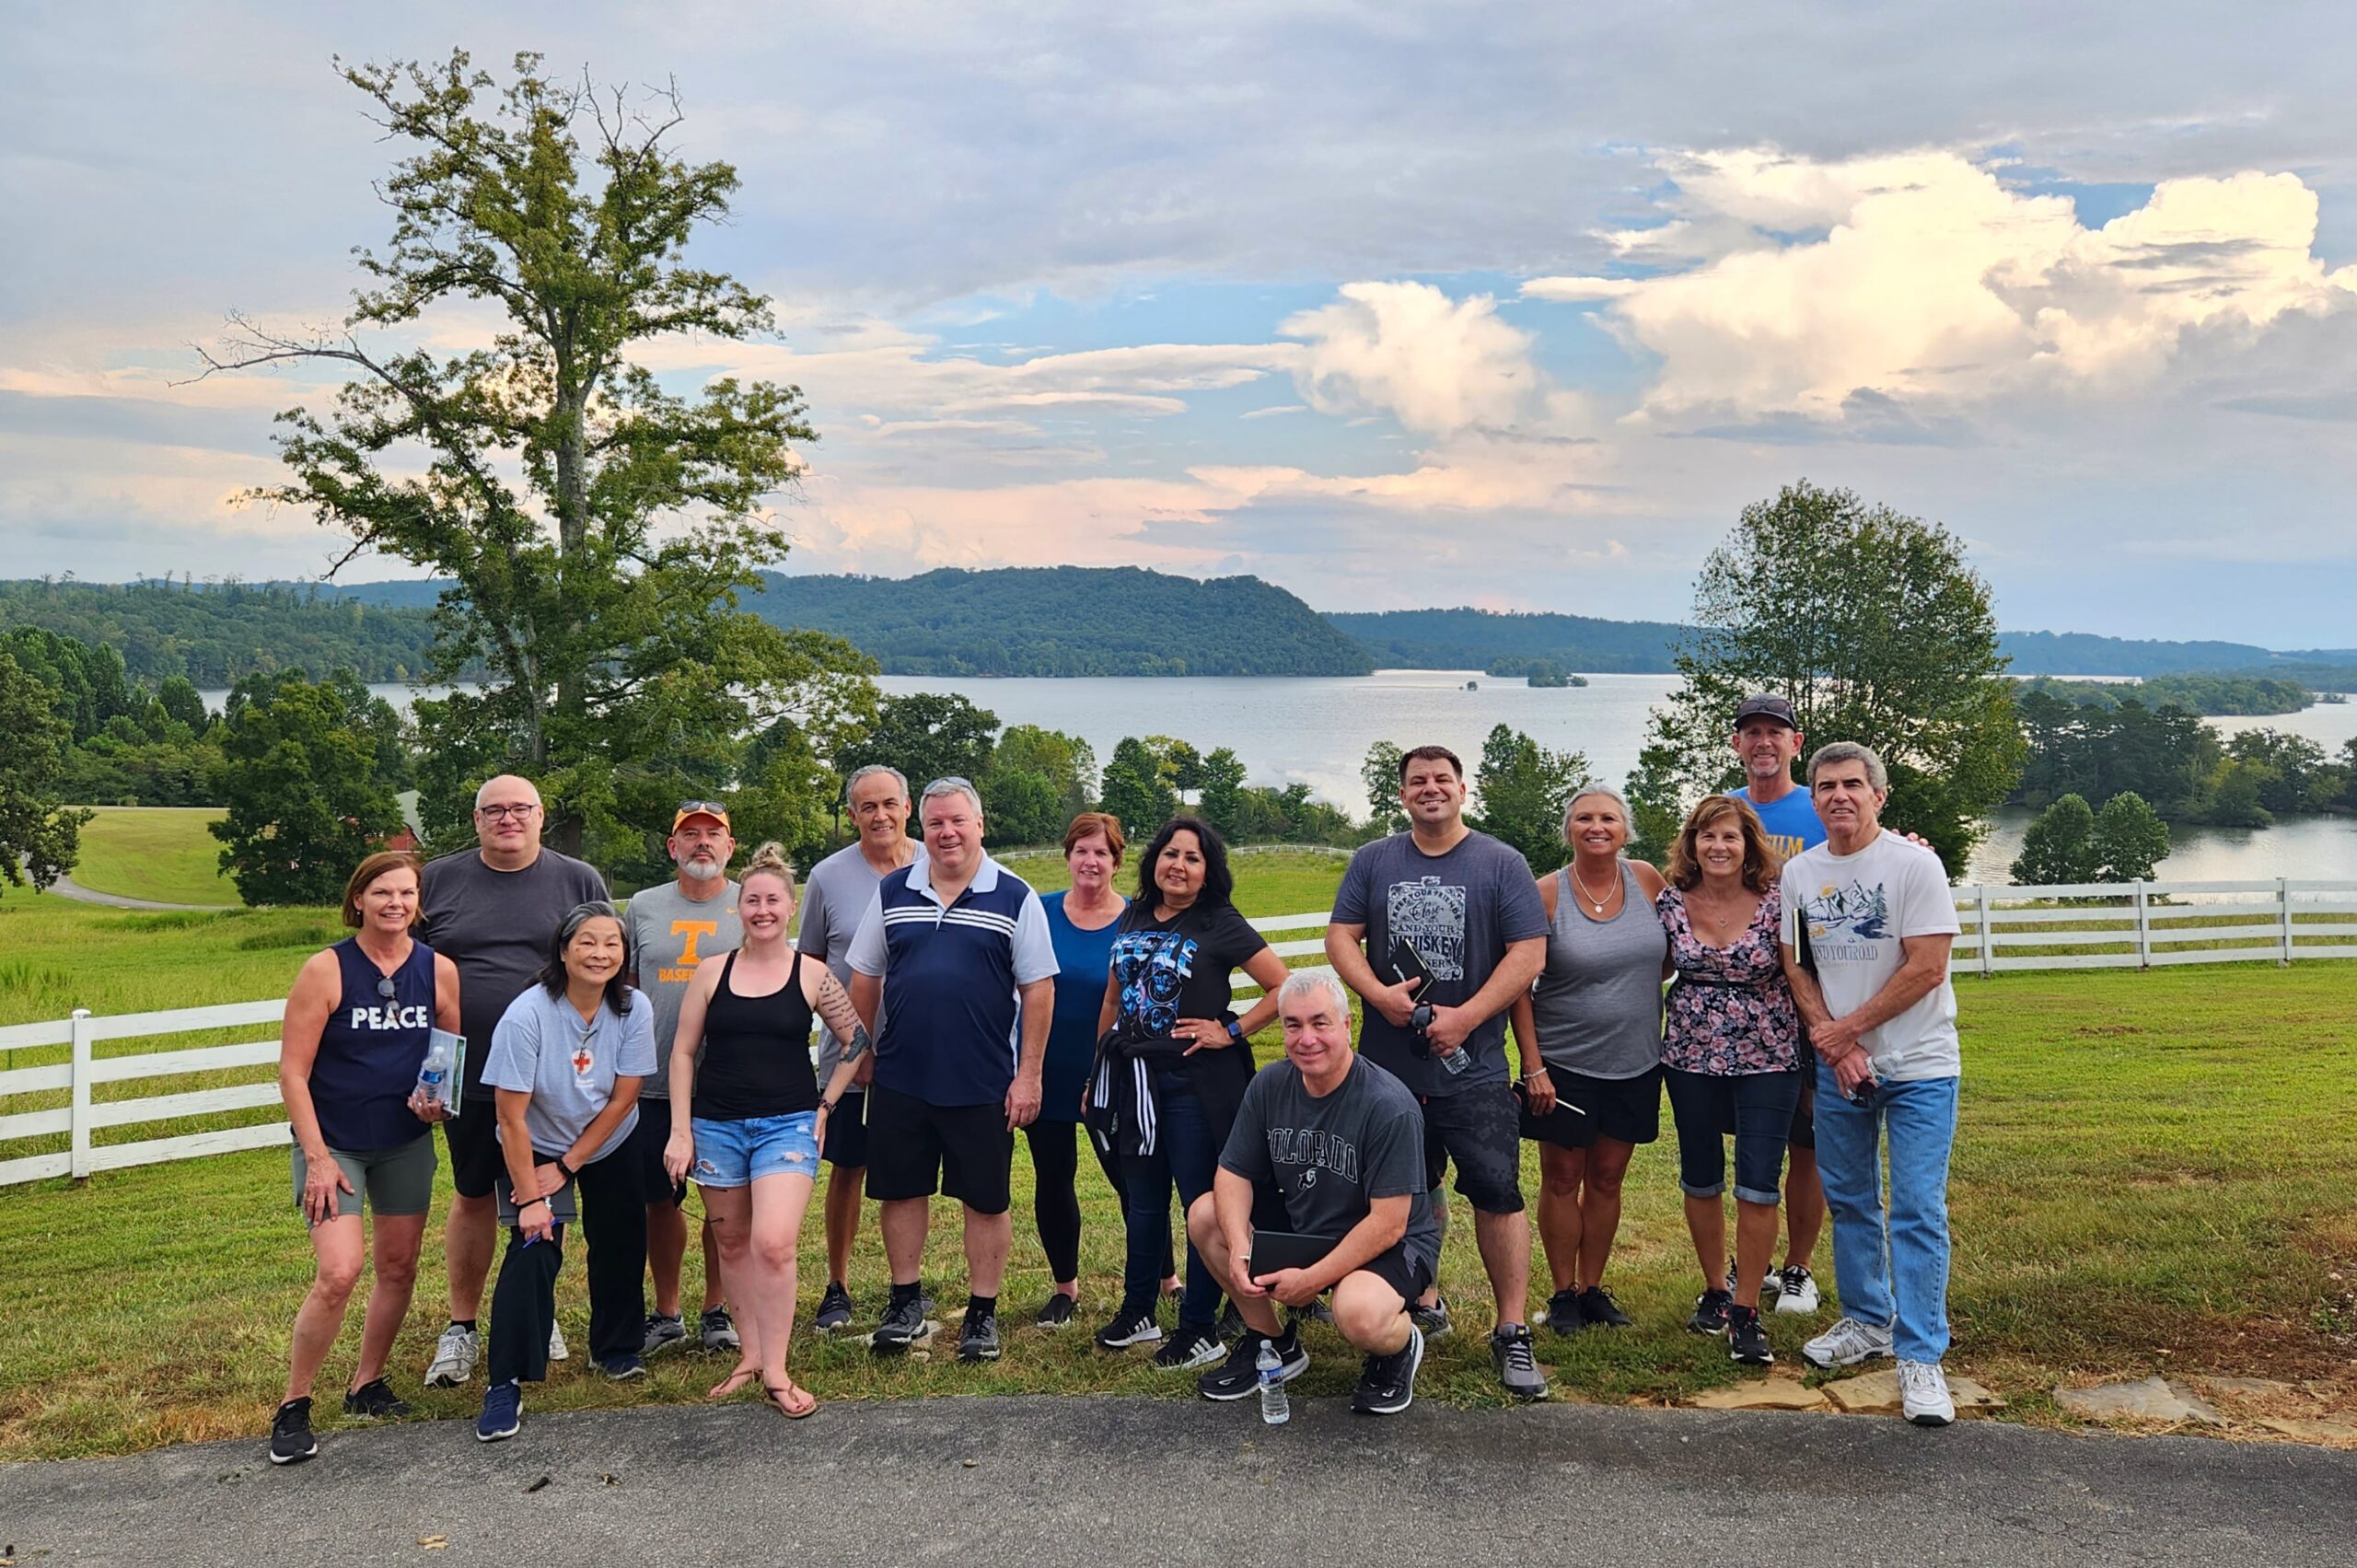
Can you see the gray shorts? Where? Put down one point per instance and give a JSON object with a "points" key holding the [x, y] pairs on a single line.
{"points": [[398, 1180]]}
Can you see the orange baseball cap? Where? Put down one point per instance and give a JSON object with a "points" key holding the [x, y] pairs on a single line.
{"points": [[711, 808]]}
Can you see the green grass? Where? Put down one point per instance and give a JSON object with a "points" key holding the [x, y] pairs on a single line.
{"points": [[2152, 1175], [154, 851]]}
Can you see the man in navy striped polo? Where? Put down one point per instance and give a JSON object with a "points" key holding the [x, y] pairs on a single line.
{"points": [[955, 949]]}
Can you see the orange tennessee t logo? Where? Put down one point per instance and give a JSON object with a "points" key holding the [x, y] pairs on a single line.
{"points": [[693, 930]]}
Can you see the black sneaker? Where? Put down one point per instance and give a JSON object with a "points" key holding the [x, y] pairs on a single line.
{"points": [[835, 1309], [1388, 1385], [978, 1340], [290, 1434], [374, 1401], [1517, 1364], [1239, 1377], [1600, 1310], [1711, 1312], [1188, 1349], [1055, 1312], [1131, 1326], [1231, 1323], [664, 1330], [903, 1326], [1564, 1314], [1747, 1340]]}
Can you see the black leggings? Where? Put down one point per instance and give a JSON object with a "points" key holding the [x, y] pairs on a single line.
{"points": [[1055, 1194], [523, 1303]]}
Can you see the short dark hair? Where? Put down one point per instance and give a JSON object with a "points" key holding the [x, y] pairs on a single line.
{"points": [[552, 975], [1432, 754], [1089, 824], [367, 871], [1219, 883]]}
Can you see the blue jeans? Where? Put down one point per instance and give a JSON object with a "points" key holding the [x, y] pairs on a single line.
{"points": [[1892, 1273], [1184, 1152]]}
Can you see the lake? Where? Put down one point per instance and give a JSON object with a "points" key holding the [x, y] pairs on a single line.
{"points": [[1315, 730]]}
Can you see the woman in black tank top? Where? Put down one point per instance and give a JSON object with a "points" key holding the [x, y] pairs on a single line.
{"points": [[742, 1061]]}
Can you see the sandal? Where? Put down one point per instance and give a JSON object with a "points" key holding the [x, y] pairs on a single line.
{"points": [[734, 1381], [781, 1397]]}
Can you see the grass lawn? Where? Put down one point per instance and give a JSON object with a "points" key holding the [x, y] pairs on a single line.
{"points": [[154, 851], [2152, 1176]]}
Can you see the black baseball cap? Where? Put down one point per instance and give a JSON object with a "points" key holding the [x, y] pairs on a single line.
{"points": [[1766, 705]]}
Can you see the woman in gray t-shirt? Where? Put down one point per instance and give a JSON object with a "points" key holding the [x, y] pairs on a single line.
{"points": [[1595, 1015]]}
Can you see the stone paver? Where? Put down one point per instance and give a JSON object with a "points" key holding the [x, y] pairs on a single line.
{"points": [[1877, 1393], [1767, 1394], [2147, 1399]]}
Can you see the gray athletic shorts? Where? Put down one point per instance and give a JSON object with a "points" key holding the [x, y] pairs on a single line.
{"points": [[398, 1180]]}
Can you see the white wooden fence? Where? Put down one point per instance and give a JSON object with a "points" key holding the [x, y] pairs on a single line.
{"points": [[2096, 925]]}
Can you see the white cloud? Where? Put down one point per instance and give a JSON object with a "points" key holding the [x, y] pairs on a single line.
{"points": [[1435, 363]]}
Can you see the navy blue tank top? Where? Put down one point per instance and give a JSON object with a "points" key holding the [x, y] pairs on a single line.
{"points": [[370, 1052]]}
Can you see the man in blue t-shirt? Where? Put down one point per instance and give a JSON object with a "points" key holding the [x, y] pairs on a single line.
{"points": [[1767, 739]]}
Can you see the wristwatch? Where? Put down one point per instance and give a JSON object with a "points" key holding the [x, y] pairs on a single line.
{"points": [[1236, 1030], [570, 1174]]}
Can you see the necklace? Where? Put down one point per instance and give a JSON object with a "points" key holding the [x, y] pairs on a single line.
{"points": [[1594, 903]]}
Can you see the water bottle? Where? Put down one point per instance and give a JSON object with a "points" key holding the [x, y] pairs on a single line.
{"points": [[434, 1077], [1275, 1409], [1456, 1060]]}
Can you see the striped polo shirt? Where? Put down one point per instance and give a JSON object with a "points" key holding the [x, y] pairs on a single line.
{"points": [[952, 1017]]}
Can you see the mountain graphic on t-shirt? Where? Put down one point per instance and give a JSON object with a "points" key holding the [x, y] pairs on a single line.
{"points": [[1856, 911]]}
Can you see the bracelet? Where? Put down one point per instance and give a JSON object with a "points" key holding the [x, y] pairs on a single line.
{"points": [[570, 1174], [530, 1202], [829, 1105], [1530, 1074]]}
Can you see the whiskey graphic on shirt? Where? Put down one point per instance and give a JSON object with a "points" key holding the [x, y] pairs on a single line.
{"points": [[1429, 915]]}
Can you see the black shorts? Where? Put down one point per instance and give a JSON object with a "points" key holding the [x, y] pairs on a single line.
{"points": [[1477, 1128], [1625, 1110], [1804, 1133], [476, 1164], [1391, 1265], [847, 1132], [965, 1148], [644, 1146]]}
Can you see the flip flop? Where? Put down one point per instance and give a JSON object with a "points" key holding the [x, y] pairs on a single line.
{"points": [[734, 1381], [778, 1397]]}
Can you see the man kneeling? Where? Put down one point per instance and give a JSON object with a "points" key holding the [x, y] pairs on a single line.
{"points": [[1331, 1149]]}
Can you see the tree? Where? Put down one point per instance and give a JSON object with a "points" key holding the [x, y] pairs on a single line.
{"points": [[39, 839], [927, 736], [1521, 790], [1066, 761], [2131, 838], [596, 527], [1655, 818], [2235, 794], [305, 802], [1219, 777], [180, 700], [1877, 630], [1136, 792], [1381, 774], [1020, 808], [2060, 846]]}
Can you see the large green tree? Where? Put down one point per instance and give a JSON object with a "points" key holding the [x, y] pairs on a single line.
{"points": [[2132, 838], [1520, 789], [1138, 791], [927, 736], [597, 525], [38, 839], [2060, 847], [304, 799], [1877, 628]]}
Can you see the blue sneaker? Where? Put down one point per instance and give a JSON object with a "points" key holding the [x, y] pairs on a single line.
{"points": [[622, 1368], [503, 1412]]}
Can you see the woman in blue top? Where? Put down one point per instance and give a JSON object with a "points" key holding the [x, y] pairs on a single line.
{"points": [[358, 1022], [1081, 924]]}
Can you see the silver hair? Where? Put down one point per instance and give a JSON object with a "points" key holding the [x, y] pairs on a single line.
{"points": [[947, 785], [1301, 983], [1608, 793], [1851, 751], [870, 771]]}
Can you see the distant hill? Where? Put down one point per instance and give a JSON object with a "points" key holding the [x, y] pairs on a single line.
{"points": [[214, 634], [1483, 639]]}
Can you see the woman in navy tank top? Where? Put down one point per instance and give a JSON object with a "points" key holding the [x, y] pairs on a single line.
{"points": [[358, 1022]]}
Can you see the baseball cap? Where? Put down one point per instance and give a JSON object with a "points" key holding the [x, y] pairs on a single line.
{"points": [[1767, 705], [711, 808]]}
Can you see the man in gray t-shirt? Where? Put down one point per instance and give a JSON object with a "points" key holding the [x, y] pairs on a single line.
{"points": [[674, 926], [1467, 909], [1330, 1148]]}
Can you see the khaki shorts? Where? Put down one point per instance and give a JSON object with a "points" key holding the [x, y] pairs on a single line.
{"points": [[398, 1180]]}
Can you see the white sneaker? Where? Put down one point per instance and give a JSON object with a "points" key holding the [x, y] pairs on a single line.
{"points": [[454, 1357], [1847, 1343], [557, 1351], [1798, 1292], [1923, 1393]]}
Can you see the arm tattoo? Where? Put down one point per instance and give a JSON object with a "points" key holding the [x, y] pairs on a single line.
{"points": [[842, 1018], [857, 1046]]}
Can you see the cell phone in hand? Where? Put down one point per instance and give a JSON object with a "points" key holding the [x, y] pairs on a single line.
{"points": [[1406, 964]]}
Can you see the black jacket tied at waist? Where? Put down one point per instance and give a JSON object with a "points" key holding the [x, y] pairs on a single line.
{"points": [[1127, 1076]]}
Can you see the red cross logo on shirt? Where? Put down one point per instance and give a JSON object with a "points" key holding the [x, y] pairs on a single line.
{"points": [[582, 1060]]}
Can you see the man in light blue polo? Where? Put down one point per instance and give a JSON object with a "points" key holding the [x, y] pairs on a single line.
{"points": [[955, 952]]}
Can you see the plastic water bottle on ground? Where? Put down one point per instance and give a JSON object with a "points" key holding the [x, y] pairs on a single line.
{"points": [[434, 1077], [1274, 1409]]}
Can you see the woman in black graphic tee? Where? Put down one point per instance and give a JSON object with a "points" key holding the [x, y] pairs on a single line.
{"points": [[1173, 1066]]}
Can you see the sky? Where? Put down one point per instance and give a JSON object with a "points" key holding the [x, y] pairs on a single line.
{"points": [[1394, 306]]}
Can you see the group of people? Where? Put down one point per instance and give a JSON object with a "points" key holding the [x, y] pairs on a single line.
{"points": [[1810, 1016]]}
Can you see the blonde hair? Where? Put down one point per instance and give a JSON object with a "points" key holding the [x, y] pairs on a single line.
{"points": [[768, 860]]}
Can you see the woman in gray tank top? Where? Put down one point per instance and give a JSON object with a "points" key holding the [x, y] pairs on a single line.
{"points": [[1595, 1015]]}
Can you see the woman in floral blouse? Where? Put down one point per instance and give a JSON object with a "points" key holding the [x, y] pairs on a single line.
{"points": [[1731, 1055]]}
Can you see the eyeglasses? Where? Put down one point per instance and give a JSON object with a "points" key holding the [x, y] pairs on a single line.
{"points": [[501, 813]]}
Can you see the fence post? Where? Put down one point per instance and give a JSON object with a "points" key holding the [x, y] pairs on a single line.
{"points": [[79, 1161], [1980, 909], [2143, 929], [2283, 906]]}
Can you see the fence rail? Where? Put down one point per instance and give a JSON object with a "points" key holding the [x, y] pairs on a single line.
{"points": [[2090, 926]]}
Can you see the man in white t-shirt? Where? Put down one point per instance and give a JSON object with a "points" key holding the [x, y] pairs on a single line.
{"points": [[1868, 923]]}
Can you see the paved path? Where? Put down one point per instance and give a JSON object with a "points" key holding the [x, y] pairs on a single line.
{"points": [[983, 1482], [66, 887]]}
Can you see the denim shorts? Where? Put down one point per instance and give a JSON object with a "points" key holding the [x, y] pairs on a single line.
{"points": [[738, 1154]]}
